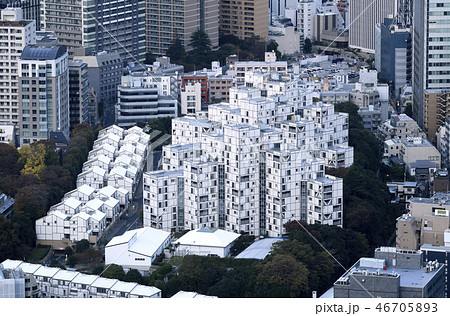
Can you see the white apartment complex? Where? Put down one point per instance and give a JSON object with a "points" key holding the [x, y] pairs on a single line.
{"points": [[42, 281], [105, 188], [252, 165]]}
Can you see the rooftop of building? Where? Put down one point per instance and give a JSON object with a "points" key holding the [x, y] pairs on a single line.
{"points": [[208, 237], [42, 52], [145, 241], [411, 278], [439, 198], [416, 142], [259, 249], [183, 294]]}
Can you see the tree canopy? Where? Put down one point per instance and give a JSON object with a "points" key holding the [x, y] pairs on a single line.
{"points": [[201, 49], [36, 179], [176, 52], [367, 207]]}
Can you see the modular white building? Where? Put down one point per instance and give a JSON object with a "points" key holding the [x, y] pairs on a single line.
{"points": [[253, 164], [137, 249], [206, 242], [103, 191], [58, 283]]}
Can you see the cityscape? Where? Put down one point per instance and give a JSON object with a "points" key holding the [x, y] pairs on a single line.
{"points": [[225, 149]]}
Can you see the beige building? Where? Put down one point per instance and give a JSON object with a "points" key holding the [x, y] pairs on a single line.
{"points": [[426, 223], [415, 148], [244, 19], [436, 108], [168, 20], [219, 88]]}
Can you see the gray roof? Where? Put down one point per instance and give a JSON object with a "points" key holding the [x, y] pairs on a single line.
{"points": [[40, 52], [259, 249]]}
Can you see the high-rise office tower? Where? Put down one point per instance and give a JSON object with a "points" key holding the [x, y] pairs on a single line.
{"points": [[431, 55], [364, 15], [31, 9], [43, 92], [78, 93], [15, 34], [168, 20], [393, 54], [103, 25]]}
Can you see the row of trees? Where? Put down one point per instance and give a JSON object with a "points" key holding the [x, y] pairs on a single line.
{"points": [[296, 267], [37, 177], [202, 54], [367, 207]]}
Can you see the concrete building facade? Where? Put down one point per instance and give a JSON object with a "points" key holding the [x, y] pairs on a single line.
{"points": [[244, 19], [430, 58], [167, 21], [15, 34], [364, 15], [101, 25], [142, 98], [44, 92]]}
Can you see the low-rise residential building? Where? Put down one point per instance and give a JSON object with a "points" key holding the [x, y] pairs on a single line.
{"points": [[191, 98], [32, 289], [102, 195], [60, 283], [184, 294], [402, 192], [94, 177], [426, 223], [270, 65], [6, 205], [399, 126], [137, 249], [8, 133], [12, 283], [416, 152]]}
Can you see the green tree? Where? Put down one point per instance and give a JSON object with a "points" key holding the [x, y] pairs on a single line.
{"points": [[9, 157], [273, 46], [8, 240], [98, 269], [68, 251], [307, 47], [201, 48], [176, 52], [173, 286], [133, 275], [51, 157], [82, 245], [113, 271], [282, 276], [72, 261], [32, 201]]}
